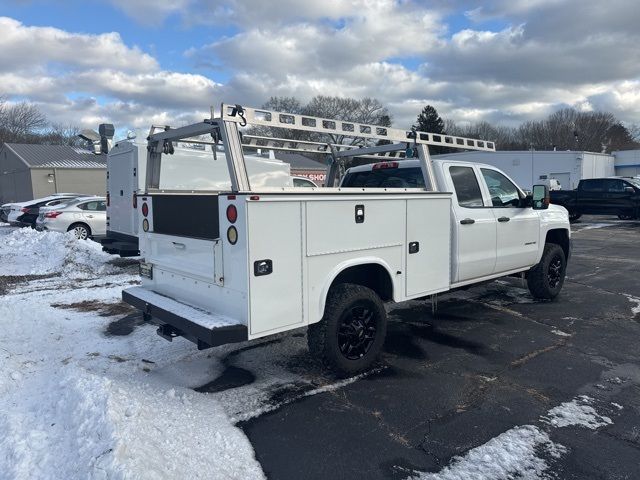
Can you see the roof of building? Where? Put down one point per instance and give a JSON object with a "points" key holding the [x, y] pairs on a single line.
{"points": [[300, 162], [57, 156]]}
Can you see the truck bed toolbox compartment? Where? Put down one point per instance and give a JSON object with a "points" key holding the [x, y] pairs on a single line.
{"points": [[206, 329]]}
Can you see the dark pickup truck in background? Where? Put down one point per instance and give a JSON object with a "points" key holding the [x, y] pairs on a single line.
{"points": [[601, 196]]}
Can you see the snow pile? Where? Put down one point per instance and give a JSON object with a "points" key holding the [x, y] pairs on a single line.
{"points": [[636, 308], [28, 252], [89, 426], [576, 412], [513, 454]]}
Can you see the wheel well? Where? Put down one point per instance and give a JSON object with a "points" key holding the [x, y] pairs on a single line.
{"points": [[370, 275], [560, 237]]}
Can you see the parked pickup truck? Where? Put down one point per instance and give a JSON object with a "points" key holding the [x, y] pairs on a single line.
{"points": [[601, 196], [252, 262]]}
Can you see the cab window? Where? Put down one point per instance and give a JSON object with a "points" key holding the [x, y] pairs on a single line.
{"points": [[503, 191], [596, 185], [615, 186], [466, 186]]}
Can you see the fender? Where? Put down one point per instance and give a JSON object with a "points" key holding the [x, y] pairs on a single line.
{"points": [[554, 218], [341, 267]]}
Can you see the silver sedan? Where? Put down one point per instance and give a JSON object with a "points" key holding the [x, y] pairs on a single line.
{"points": [[85, 216]]}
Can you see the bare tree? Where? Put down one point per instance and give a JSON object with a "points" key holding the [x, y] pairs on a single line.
{"points": [[20, 122]]}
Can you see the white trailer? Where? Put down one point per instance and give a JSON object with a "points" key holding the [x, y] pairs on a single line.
{"points": [[258, 261], [530, 167], [192, 166]]}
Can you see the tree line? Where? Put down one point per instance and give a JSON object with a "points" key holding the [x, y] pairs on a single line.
{"points": [[566, 129], [24, 122]]}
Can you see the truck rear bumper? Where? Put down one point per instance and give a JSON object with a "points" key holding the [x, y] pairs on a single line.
{"points": [[174, 318]]}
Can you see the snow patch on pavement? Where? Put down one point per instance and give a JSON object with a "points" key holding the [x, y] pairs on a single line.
{"points": [[28, 252], [576, 412], [512, 454], [560, 333], [635, 309], [591, 226]]}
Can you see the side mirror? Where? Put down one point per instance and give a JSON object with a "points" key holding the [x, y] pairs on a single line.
{"points": [[540, 197], [629, 190]]}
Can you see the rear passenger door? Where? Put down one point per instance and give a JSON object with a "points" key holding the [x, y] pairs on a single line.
{"points": [[518, 228], [591, 196], [474, 226], [94, 215]]}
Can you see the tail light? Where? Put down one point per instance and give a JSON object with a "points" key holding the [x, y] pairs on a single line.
{"points": [[145, 209], [24, 210], [135, 201], [383, 165], [232, 213], [52, 214], [108, 199]]}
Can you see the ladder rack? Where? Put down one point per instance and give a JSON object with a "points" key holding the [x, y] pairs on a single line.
{"points": [[254, 116]]}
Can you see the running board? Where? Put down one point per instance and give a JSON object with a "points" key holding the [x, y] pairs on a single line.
{"points": [[203, 328]]}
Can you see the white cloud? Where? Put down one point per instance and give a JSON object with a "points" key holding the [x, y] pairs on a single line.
{"points": [[23, 47], [546, 55]]}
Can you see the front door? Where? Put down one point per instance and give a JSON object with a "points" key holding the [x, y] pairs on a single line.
{"points": [[474, 226], [518, 228]]}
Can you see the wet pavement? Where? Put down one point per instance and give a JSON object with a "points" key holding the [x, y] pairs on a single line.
{"points": [[490, 359]]}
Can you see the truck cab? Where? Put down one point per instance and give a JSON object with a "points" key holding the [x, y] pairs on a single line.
{"points": [[495, 230]]}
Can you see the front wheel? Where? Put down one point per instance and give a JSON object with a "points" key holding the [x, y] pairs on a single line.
{"points": [[573, 216], [545, 280], [351, 334]]}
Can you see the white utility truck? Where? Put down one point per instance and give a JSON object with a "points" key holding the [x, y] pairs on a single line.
{"points": [[259, 261], [190, 167]]}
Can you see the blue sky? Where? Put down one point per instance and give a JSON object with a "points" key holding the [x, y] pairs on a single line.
{"points": [[141, 61]]}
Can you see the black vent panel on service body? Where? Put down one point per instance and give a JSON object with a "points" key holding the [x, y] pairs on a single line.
{"points": [[186, 216]]}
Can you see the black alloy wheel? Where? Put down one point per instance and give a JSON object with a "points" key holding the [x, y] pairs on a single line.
{"points": [[357, 331], [554, 273]]}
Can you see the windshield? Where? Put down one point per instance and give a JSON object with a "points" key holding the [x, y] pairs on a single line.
{"points": [[633, 181], [385, 178]]}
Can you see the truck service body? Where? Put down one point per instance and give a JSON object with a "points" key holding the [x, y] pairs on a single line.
{"points": [[251, 262]]}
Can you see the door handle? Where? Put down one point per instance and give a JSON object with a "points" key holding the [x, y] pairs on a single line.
{"points": [[467, 221], [504, 219], [179, 245], [89, 216]]}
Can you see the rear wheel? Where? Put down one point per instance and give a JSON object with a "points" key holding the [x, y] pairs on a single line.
{"points": [[545, 280], [350, 336], [80, 230]]}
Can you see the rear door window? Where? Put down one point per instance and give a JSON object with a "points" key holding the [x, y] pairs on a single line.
{"points": [[385, 178], [592, 185], [466, 186]]}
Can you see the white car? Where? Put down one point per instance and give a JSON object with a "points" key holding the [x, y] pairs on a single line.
{"points": [[85, 216], [14, 210], [303, 182]]}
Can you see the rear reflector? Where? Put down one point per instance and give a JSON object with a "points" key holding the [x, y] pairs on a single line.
{"points": [[232, 213], [382, 165], [24, 210], [254, 197], [52, 214]]}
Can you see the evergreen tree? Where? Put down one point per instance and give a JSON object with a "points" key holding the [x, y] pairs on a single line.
{"points": [[429, 121]]}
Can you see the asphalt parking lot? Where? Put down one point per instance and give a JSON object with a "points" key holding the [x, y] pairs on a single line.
{"points": [[489, 360]]}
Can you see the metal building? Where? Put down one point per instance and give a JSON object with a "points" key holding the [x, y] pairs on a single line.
{"points": [[528, 167], [29, 171], [627, 163]]}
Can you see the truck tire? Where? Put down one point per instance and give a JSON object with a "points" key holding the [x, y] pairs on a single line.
{"points": [[545, 279], [626, 217], [573, 216], [351, 334]]}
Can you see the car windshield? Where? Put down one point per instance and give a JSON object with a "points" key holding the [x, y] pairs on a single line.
{"points": [[385, 178], [633, 181]]}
